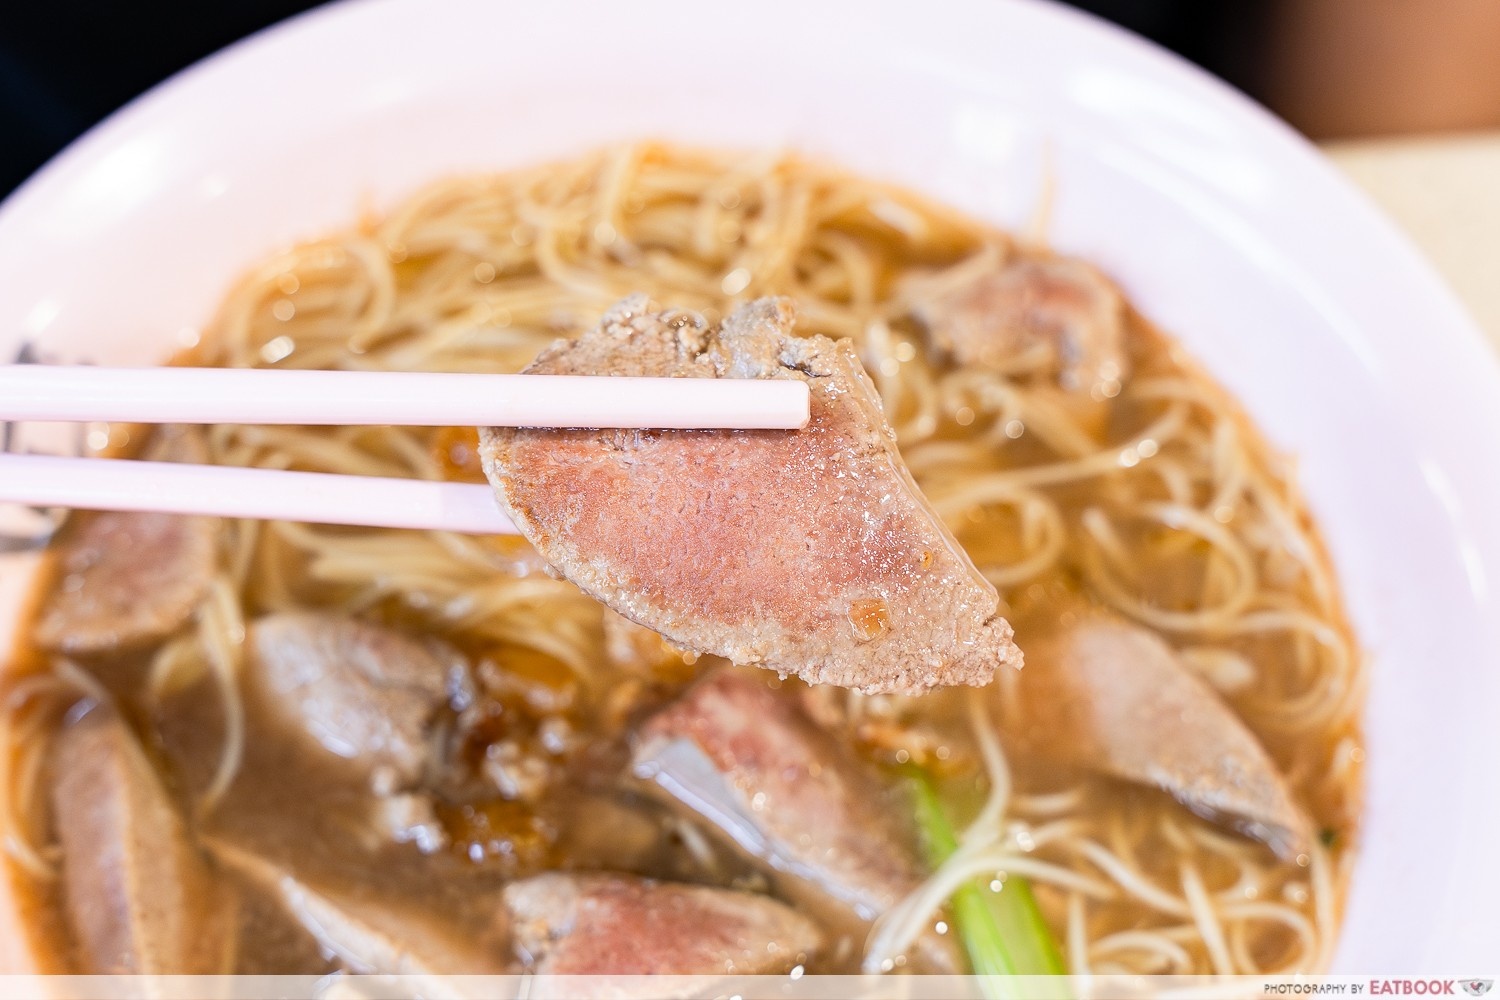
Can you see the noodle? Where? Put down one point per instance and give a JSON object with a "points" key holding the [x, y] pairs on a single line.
{"points": [[1172, 511], [221, 630]]}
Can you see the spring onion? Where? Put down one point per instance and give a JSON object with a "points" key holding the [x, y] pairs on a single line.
{"points": [[1002, 932]]}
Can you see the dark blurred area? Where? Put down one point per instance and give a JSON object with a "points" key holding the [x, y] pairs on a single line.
{"points": [[1333, 68]]}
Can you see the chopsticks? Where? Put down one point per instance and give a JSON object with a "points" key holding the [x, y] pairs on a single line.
{"points": [[232, 491], [409, 399], [263, 396]]}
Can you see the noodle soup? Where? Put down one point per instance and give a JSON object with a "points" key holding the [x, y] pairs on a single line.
{"points": [[1140, 494]]}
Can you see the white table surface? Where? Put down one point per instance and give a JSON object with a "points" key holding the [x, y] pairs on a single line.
{"points": [[1445, 192]]}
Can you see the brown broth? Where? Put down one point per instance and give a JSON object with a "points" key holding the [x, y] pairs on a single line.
{"points": [[310, 810]]}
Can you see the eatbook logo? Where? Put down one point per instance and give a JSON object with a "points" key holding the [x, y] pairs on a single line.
{"points": [[1476, 987]]}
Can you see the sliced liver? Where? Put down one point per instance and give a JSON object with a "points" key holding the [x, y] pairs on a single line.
{"points": [[127, 579], [750, 762], [808, 552], [139, 896], [1103, 693], [371, 933], [606, 924], [363, 692]]}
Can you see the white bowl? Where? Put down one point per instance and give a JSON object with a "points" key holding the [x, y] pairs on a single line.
{"points": [[1223, 226]]}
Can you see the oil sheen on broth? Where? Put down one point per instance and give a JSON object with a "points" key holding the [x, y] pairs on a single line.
{"points": [[1131, 495]]}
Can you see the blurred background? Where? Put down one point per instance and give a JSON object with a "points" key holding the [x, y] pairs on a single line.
{"points": [[1336, 69]]}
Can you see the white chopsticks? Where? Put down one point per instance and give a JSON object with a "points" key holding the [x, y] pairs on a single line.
{"points": [[410, 399], [232, 491], [263, 396]]}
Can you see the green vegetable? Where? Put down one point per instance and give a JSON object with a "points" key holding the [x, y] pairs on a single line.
{"points": [[1002, 932]]}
